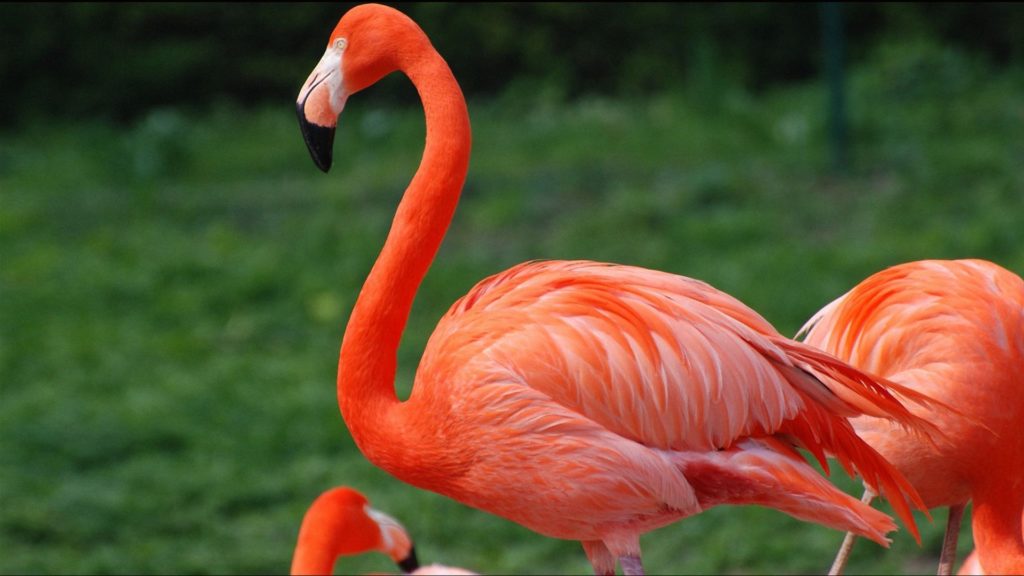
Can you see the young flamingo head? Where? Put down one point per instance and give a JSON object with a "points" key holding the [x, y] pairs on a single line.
{"points": [[341, 522], [369, 42]]}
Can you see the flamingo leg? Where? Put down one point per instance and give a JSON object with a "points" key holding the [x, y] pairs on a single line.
{"points": [[624, 550], [600, 557], [843, 556], [948, 557], [631, 566]]}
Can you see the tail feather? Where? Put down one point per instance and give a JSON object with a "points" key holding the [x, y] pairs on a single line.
{"points": [[823, 428], [868, 394], [858, 459], [756, 472]]}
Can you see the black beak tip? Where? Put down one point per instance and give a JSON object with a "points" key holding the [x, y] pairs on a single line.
{"points": [[410, 563], [319, 140]]}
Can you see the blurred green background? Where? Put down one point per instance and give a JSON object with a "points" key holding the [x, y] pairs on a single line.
{"points": [[175, 274]]}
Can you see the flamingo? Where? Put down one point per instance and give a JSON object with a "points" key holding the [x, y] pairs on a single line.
{"points": [[953, 330], [340, 522], [586, 401]]}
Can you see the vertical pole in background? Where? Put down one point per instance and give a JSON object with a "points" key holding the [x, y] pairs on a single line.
{"points": [[835, 76]]}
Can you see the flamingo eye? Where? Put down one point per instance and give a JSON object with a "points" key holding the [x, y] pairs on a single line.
{"points": [[340, 44]]}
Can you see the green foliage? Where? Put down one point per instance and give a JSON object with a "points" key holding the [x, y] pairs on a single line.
{"points": [[173, 293], [122, 60]]}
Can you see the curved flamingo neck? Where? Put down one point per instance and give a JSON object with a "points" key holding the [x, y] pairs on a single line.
{"points": [[314, 554], [998, 525], [331, 529], [368, 359]]}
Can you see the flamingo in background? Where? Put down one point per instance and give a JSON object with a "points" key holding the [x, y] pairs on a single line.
{"points": [[340, 522], [586, 401], [953, 330]]}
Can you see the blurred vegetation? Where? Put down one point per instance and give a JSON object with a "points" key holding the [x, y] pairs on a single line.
{"points": [[174, 286], [121, 60]]}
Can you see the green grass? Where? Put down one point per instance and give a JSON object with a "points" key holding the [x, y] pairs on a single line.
{"points": [[172, 297]]}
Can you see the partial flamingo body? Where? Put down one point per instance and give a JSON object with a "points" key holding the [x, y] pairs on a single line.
{"points": [[954, 331], [586, 401]]}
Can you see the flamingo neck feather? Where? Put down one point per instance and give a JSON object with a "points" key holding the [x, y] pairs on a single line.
{"points": [[331, 529], [998, 525], [368, 359]]}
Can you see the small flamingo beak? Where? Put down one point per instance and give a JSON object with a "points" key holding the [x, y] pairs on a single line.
{"points": [[319, 140], [319, 103], [395, 541], [409, 564]]}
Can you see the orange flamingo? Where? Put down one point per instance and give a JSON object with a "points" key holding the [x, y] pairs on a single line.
{"points": [[953, 330], [340, 522], [586, 401]]}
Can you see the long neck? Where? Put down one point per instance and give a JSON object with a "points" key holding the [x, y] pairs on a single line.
{"points": [[317, 549], [329, 530], [997, 525], [314, 554], [367, 365]]}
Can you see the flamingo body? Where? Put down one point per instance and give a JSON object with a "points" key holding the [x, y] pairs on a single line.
{"points": [[612, 392], [954, 331], [586, 401]]}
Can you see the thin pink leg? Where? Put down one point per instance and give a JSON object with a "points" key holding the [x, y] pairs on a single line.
{"points": [[948, 557], [601, 560], [844, 551], [631, 566]]}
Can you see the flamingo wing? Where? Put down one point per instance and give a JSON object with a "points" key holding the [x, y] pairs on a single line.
{"points": [[662, 360]]}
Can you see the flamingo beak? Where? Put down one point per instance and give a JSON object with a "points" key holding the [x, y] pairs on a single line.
{"points": [[409, 564], [320, 101], [319, 140], [395, 541]]}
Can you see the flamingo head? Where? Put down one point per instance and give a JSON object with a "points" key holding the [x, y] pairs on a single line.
{"points": [[369, 42], [341, 523], [394, 540]]}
